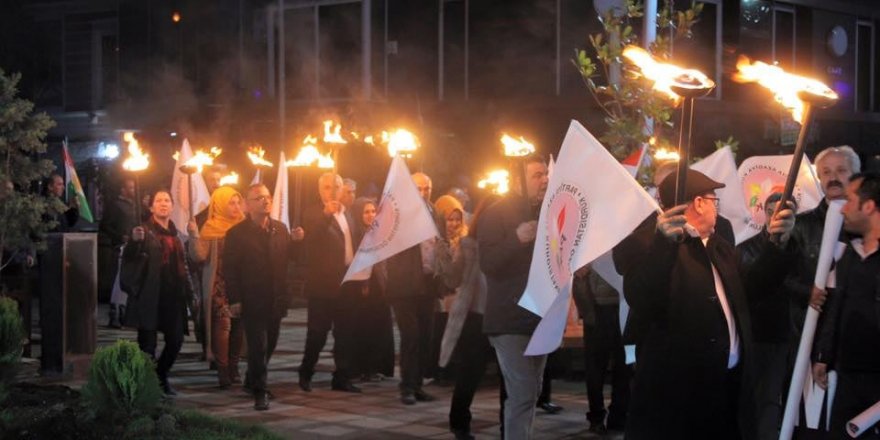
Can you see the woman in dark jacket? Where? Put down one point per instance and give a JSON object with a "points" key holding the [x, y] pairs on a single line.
{"points": [[374, 354], [155, 275]]}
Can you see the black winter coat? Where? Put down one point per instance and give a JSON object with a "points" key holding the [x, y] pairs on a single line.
{"points": [[325, 252], [506, 262], [157, 291], [682, 384], [255, 264]]}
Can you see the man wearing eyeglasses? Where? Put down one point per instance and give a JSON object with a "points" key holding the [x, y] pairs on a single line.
{"points": [[255, 259], [698, 336]]}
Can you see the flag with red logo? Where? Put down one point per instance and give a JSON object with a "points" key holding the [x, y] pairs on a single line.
{"points": [[591, 204]]}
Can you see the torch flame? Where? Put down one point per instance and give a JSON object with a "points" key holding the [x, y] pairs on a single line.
{"points": [[666, 75], [369, 140], [497, 181], [400, 142], [785, 86], [255, 154], [516, 147], [137, 160], [201, 159], [666, 155], [230, 179], [332, 133], [176, 156], [308, 156]]}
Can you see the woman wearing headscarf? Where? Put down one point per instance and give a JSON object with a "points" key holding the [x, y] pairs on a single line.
{"points": [[374, 353], [458, 270], [224, 332]]}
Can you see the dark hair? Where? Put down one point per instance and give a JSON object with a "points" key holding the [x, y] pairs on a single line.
{"points": [[777, 196], [869, 187], [157, 192], [254, 186]]}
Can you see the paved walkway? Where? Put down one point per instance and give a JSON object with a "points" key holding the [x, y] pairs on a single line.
{"points": [[323, 414]]}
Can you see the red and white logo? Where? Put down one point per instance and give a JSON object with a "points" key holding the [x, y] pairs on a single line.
{"points": [[758, 183], [566, 221], [385, 226]]}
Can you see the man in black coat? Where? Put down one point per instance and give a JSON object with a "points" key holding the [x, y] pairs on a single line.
{"points": [[849, 335], [255, 259], [506, 239], [689, 288], [330, 249], [411, 293]]}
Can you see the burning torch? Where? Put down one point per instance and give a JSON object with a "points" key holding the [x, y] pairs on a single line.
{"points": [[136, 162], [308, 156], [255, 154], [516, 150], [798, 94], [197, 164], [683, 86]]}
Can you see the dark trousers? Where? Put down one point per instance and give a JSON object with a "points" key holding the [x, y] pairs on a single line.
{"points": [[415, 322], [474, 351], [773, 362], [602, 343], [374, 350], [856, 392], [338, 315], [261, 332], [147, 340]]}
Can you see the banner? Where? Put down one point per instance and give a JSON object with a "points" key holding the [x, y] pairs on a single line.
{"points": [[402, 221], [591, 204], [761, 176]]}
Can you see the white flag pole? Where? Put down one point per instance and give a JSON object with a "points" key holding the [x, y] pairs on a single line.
{"points": [[830, 234]]}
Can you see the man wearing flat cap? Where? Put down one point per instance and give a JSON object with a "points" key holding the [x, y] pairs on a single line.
{"points": [[691, 293]]}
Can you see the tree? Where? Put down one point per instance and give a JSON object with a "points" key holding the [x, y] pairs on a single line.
{"points": [[629, 102], [23, 212]]}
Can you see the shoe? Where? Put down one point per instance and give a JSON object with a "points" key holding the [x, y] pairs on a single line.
{"points": [[346, 386], [114, 317], [461, 434], [305, 383], [167, 389], [422, 396], [550, 407], [408, 398], [598, 428], [261, 401]]}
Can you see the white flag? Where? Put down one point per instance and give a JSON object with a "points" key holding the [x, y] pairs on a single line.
{"points": [[761, 176], [402, 221], [280, 203], [591, 204], [180, 183], [257, 178], [721, 167]]}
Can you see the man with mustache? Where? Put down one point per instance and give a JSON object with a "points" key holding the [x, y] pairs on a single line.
{"points": [[834, 166]]}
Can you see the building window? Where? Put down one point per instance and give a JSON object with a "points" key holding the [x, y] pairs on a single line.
{"points": [[865, 55]]}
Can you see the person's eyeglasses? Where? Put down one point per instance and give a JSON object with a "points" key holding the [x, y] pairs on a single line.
{"points": [[260, 198], [714, 200]]}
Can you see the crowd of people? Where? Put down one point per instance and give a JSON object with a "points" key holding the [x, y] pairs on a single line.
{"points": [[715, 325]]}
